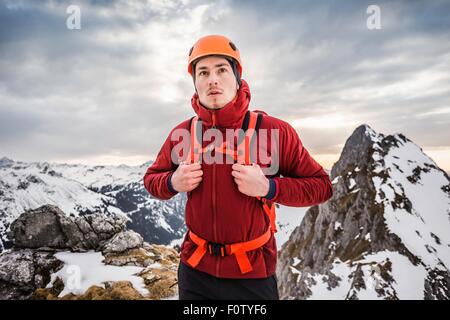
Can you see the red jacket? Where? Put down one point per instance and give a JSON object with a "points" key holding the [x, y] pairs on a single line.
{"points": [[218, 212]]}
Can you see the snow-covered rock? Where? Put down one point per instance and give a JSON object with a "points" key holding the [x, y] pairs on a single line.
{"points": [[123, 241], [42, 263], [23, 271], [385, 233], [48, 226]]}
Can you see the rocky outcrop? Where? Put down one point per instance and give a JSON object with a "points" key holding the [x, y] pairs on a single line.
{"points": [[388, 217], [123, 241], [22, 272], [26, 270], [48, 226]]}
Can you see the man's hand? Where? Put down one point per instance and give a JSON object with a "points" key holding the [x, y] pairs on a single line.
{"points": [[187, 177], [250, 180]]}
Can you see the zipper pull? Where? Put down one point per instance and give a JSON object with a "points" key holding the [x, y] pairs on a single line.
{"points": [[213, 119]]}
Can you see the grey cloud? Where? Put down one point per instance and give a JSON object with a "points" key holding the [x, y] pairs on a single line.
{"points": [[79, 94]]}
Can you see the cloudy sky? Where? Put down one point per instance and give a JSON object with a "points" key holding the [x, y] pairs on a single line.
{"points": [[110, 92]]}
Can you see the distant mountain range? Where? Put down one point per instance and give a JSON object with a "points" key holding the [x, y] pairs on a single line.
{"points": [[82, 189]]}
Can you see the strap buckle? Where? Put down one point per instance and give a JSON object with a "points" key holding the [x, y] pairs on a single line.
{"points": [[216, 249]]}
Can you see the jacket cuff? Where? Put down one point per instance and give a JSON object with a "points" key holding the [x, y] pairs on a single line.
{"points": [[169, 184], [272, 189]]}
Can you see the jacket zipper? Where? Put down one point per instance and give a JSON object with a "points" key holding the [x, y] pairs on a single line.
{"points": [[213, 198]]}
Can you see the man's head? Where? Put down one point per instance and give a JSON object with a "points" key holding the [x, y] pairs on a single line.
{"points": [[215, 66], [215, 81]]}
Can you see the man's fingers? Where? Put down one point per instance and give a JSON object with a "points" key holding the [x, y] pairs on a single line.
{"points": [[237, 174], [192, 187], [238, 180], [196, 180], [190, 167], [237, 167], [242, 167], [194, 166], [196, 173]]}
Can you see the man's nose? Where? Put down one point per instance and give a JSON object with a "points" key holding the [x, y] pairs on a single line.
{"points": [[213, 80]]}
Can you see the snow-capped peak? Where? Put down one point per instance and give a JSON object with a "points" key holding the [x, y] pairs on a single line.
{"points": [[385, 233], [6, 162]]}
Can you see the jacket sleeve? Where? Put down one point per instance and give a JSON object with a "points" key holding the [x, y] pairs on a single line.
{"points": [[303, 181], [157, 177]]}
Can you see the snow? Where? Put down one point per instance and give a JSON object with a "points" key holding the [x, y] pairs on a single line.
{"points": [[409, 279], [320, 290], [430, 204], [288, 218], [83, 270], [408, 284], [337, 226], [374, 136], [376, 156], [155, 265], [69, 195], [176, 242], [161, 222], [100, 176], [352, 183], [294, 270], [296, 261], [68, 188]]}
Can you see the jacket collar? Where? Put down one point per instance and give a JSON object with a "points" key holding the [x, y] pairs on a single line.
{"points": [[231, 115]]}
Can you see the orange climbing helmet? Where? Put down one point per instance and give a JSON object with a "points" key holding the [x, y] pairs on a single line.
{"points": [[214, 45]]}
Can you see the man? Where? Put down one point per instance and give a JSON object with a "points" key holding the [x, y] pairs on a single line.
{"points": [[229, 251]]}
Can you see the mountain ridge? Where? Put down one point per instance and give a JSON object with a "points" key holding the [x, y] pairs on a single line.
{"points": [[379, 225]]}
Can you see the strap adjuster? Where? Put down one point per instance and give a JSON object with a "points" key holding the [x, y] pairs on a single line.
{"points": [[216, 249]]}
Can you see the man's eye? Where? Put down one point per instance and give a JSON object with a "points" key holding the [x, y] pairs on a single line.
{"points": [[222, 70], [202, 73]]}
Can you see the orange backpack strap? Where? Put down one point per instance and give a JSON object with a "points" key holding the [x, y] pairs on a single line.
{"points": [[269, 210], [239, 250], [250, 126], [195, 147]]}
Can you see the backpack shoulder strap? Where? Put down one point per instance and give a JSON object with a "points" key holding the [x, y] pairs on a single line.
{"points": [[252, 119], [250, 126], [194, 153]]}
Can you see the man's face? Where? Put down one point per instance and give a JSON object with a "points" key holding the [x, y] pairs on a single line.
{"points": [[215, 82]]}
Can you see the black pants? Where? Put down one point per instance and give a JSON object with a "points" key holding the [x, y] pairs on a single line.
{"points": [[197, 285]]}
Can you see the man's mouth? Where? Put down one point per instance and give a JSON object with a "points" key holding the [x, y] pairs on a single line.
{"points": [[214, 93]]}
